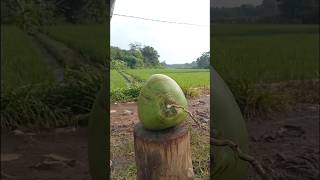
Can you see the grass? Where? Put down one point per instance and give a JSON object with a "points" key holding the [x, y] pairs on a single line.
{"points": [[200, 148], [126, 85], [20, 62], [266, 53], [250, 56], [89, 40], [186, 78], [52, 105], [122, 155], [116, 81]]}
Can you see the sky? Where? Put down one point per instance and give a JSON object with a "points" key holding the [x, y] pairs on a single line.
{"points": [[175, 43], [233, 3]]}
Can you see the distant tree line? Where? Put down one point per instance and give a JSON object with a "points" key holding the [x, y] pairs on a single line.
{"points": [[26, 13], [202, 62], [137, 56], [270, 11]]}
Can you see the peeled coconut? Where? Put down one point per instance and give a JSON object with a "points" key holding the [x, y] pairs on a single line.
{"points": [[156, 100]]}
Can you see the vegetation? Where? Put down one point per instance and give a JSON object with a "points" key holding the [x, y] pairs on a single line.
{"points": [[117, 81], [136, 57], [188, 79], [52, 105], [76, 37], [32, 98], [277, 53], [29, 14], [21, 64], [204, 60], [139, 56]]}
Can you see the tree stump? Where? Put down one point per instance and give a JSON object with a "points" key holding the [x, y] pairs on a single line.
{"points": [[163, 155]]}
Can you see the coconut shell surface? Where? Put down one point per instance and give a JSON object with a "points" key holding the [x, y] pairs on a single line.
{"points": [[156, 96]]}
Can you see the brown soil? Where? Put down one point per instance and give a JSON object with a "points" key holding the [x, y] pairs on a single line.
{"points": [[70, 146], [288, 145]]}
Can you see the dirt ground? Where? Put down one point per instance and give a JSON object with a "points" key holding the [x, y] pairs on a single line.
{"points": [[46, 155], [286, 144]]}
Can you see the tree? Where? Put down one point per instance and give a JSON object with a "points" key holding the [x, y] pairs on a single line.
{"points": [[305, 11], [116, 53], [93, 11], [290, 9], [247, 10], [150, 56], [268, 8], [135, 46], [311, 12], [136, 57], [135, 51], [27, 14], [163, 64], [139, 63], [204, 60], [118, 64], [133, 62]]}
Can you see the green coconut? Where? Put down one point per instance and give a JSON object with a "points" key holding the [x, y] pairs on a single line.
{"points": [[161, 102]]}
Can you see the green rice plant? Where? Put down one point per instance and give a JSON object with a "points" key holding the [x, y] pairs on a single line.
{"points": [[190, 80], [89, 40], [116, 80], [186, 78], [250, 58], [266, 53], [20, 62]]}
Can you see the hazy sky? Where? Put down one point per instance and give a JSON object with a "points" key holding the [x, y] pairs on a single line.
{"points": [[176, 44], [233, 3]]}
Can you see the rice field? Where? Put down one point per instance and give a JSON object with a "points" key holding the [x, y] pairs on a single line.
{"points": [[20, 62], [117, 81], [186, 78], [89, 40], [127, 85], [266, 53]]}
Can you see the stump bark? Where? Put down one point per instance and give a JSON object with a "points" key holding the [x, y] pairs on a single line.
{"points": [[163, 155]]}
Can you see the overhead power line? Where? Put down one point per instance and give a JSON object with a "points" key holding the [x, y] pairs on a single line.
{"points": [[163, 21]]}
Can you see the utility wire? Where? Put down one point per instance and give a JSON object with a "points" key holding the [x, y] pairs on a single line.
{"points": [[163, 21]]}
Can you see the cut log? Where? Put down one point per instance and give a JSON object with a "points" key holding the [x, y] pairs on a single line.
{"points": [[163, 155]]}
